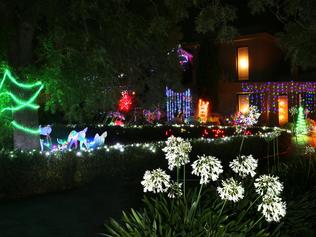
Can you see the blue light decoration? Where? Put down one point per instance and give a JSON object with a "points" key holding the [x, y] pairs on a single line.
{"points": [[178, 102], [299, 93], [309, 100]]}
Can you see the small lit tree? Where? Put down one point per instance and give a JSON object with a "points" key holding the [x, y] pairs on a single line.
{"points": [[301, 127]]}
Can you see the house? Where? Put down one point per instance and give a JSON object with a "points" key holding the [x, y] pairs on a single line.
{"points": [[254, 71]]}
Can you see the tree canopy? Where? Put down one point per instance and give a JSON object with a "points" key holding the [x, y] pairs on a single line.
{"points": [[88, 51], [298, 35]]}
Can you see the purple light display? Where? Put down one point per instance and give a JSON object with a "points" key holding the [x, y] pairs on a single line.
{"points": [[184, 56], [265, 94]]}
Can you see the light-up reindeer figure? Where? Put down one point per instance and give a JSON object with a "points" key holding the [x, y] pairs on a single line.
{"points": [[73, 139], [45, 132]]}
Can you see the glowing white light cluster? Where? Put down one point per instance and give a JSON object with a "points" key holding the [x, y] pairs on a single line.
{"points": [[151, 147]]}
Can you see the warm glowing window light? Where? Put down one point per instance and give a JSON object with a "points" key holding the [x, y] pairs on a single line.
{"points": [[283, 110], [243, 103], [243, 63], [203, 110]]}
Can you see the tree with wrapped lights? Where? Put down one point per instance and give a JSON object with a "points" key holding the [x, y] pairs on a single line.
{"points": [[301, 126], [15, 98]]}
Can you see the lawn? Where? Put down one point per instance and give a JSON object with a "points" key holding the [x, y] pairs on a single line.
{"points": [[80, 212]]}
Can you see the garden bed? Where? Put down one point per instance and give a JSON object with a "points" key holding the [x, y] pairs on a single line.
{"points": [[142, 134], [25, 174]]}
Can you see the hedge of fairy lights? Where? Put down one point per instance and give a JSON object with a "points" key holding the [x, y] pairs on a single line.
{"points": [[262, 92], [219, 137], [150, 133]]}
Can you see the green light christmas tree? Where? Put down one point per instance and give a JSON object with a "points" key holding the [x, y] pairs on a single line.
{"points": [[11, 103], [301, 126]]}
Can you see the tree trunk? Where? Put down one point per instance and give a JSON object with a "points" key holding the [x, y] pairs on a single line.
{"points": [[21, 56]]}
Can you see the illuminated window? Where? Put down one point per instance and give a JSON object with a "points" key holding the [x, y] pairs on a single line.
{"points": [[243, 63], [243, 103], [283, 110]]}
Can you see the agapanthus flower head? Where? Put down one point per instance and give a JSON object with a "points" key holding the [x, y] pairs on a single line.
{"points": [[309, 150], [269, 136], [244, 165], [268, 185], [175, 190], [272, 208], [293, 110], [231, 190], [156, 181], [177, 152], [208, 168]]}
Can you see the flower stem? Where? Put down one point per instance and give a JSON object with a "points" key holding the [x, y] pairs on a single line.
{"points": [[277, 150], [274, 152], [241, 145], [255, 223], [193, 208], [268, 157], [199, 195], [248, 209], [219, 216], [184, 182], [309, 166]]}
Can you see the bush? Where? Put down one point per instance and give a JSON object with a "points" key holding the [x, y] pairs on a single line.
{"points": [[162, 217], [24, 174]]}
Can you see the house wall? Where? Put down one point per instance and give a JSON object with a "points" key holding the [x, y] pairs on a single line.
{"points": [[265, 58], [227, 103], [265, 64]]}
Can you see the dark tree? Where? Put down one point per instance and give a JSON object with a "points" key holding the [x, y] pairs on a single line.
{"points": [[298, 36]]}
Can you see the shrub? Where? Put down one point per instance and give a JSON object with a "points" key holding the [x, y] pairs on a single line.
{"points": [[27, 173]]}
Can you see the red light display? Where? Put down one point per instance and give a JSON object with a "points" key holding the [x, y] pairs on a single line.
{"points": [[125, 103]]}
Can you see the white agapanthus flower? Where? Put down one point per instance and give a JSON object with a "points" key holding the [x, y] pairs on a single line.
{"points": [[231, 190], [272, 208], [268, 185], [293, 110], [156, 181], [177, 152], [251, 117], [269, 136], [175, 190], [309, 150], [244, 165], [208, 168]]}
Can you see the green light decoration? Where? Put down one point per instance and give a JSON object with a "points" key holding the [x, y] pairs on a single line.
{"points": [[34, 131], [20, 104], [301, 126], [7, 74]]}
